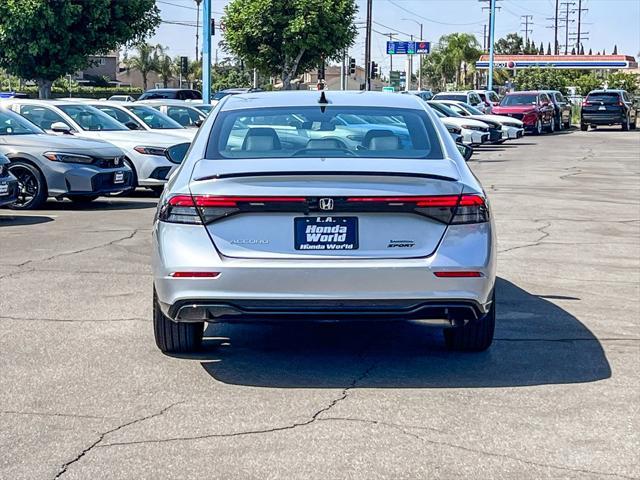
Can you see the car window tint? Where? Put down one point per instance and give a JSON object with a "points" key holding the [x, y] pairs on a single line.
{"points": [[13, 124], [185, 116], [91, 119], [604, 97], [117, 114], [270, 133], [450, 96], [153, 118], [41, 116], [519, 99]]}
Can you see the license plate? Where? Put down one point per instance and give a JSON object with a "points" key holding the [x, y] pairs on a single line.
{"points": [[4, 189], [602, 107], [326, 233], [118, 177]]}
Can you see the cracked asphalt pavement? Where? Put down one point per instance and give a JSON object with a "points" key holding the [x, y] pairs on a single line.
{"points": [[85, 394]]}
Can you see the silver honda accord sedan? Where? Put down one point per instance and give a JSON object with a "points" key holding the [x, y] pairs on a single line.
{"points": [[284, 210]]}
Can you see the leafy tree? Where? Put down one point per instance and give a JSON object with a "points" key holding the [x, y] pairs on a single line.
{"points": [[615, 49], [43, 40], [512, 44], [285, 38], [590, 52], [549, 48], [229, 74], [581, 49], [542, 79], [541, 49], [573, 51], [625, 81], [146, 60], [587, 82]]}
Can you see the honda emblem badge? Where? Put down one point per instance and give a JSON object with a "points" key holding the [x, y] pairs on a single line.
{"points": [[326, 204]]}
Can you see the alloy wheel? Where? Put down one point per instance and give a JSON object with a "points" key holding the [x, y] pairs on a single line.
{"points": [[28, 185]]}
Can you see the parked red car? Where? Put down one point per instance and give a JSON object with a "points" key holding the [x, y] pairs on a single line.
{"points": [[535, 109]]}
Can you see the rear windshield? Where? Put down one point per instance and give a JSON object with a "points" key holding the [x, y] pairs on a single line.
{"points": [[310, 132], [451, 96], [153, 118], [520, 99], [90, 118], [604, 97]]}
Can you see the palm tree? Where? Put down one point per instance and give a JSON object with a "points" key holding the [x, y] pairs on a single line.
{"points": [[166, 68], [461, 50], [145, 61]]}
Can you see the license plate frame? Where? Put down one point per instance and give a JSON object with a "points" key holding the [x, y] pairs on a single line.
{"points": [[118, 177], [325, 233]]}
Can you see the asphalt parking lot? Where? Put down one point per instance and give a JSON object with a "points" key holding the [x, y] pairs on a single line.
{"points": [[85, 393]]}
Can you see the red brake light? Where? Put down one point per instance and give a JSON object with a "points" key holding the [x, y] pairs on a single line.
{"points": [[194, 274], [458, 274], [431, 201], [207, 201]]}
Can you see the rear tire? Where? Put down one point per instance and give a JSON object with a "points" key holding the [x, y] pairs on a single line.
{"points": [[559, 126], [626, 125], [475, 336], [175, 337]]}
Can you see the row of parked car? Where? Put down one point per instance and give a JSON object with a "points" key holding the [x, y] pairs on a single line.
{"points": [[81, 149]]}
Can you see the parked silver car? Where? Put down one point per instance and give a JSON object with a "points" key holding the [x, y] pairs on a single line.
{"points": [[52, 166], [186, 114], [265, 222]]}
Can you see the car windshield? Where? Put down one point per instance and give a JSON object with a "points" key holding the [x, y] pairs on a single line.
{"points": [[519, 99], [451, 96], [13, 124], [444, 109], [91, 119], [312, 132], [609, 98], [472, 110], [153, 118], [204, 108]]}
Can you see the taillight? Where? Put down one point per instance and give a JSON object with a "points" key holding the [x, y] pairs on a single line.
{"points": [[198, 209], [586, 103], [455, 209]]}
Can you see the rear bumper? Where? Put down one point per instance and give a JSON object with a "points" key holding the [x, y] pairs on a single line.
{"points": [[321, 289], [442, 312], [603, 119]]}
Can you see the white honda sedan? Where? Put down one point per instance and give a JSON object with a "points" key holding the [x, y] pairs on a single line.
{"points": [[284, 209]]}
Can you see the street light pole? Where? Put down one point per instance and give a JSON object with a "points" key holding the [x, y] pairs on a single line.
{"points": [[492, 31], [206, 52], [367, 47], [420, 56]]}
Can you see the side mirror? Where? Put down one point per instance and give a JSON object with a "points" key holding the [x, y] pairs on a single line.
{"points": [[61, 127], [465, 150], [131, 125], [177, 153], [198, 122]]}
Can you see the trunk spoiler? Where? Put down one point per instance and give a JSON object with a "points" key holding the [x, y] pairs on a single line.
{"points": [[323, 173]]}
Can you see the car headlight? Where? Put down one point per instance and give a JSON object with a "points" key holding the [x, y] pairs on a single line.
{"points": [[473, 127], [454, 130], [159, 151], [68, 157]]}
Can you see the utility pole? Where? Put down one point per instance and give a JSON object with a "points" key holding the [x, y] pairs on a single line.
{"points": [[556, 50], [206, 52], [495, 7], [484, 38], [492, 31], [566, 21], [579, 33], [343, 66], [526, 21], [198, 2], [367, 48]]}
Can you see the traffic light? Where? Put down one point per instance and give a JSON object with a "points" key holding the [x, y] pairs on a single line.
{"points": [[184, 66], [352, 66], [375, 69]]}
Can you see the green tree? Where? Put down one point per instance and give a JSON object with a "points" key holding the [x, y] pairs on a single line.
{"points": [[146, 60], [43, 40], [512, 44], [285, 38], [587, 82], [625, 81], [166, 67], [542, 79], [462, 50]]}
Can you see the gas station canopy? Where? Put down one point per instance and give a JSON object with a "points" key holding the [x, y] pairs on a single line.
{"points": [[587, 62]]}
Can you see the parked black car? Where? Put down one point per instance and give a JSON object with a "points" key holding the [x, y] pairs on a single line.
{"points": [[220, 94], [171, 93], [8, 183], [562, 109], [608, 107]]}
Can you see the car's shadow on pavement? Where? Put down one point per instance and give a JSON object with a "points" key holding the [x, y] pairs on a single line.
{"points": [[102, 203], [9, 219], [537, 343]]}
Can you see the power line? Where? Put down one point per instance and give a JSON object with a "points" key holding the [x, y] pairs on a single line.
{"points": [[394, 2]]}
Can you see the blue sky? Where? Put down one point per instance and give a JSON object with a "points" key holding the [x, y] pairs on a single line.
{"points": [[608, 22]]}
